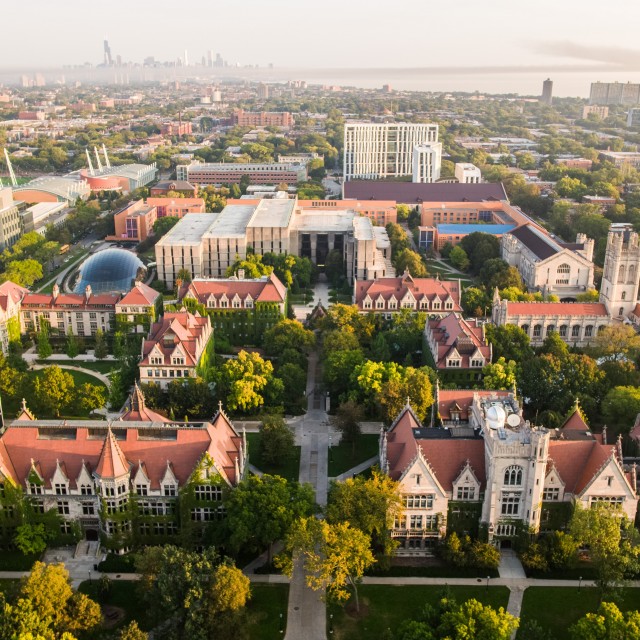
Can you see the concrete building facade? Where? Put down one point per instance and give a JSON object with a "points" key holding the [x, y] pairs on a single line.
{"points": [[219, 173]]}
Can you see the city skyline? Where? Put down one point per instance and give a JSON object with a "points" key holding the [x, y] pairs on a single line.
{"points": [[477, 39]]}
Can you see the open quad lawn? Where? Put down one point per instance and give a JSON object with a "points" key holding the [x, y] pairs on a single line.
{"points": [[101, 366], [263, 611], [557, 608], [289, 469], [343, 457], [385, 607]]}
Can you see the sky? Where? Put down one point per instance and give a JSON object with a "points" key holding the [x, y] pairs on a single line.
{"points": [[493, 36]]}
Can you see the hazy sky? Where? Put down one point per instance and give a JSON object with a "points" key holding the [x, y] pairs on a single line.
{"points": [[330, 33]]}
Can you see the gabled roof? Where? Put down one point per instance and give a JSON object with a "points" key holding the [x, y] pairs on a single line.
{"points": [[575, 421], [539, 243], [140, 294], [264, 289], [111, 463], [401, 286], [138, 410], [455, 337], [10, 295]]}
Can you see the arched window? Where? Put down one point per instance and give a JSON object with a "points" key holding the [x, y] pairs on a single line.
{"points": [[537, 330], [588, 331], [562, 274], [563, 330], [631, 275], [624, 295], [525, 328], [621, 273], [575, 331], [513, 476], [621, 312], [550, 329], [601, 328]]}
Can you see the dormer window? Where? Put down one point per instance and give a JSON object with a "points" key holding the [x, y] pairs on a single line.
{"points": [[380, 303], [424, 304], [393, 303], [477, 363], [169, 490], [86, 490], [177, 360], [156, 360], [142, 489], [211, 303], [35, 489], [248, 303], [60, 489], [236, 303], [453, 363], [436, 304]]}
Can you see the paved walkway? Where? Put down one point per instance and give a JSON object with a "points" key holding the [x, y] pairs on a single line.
{"points": [[320, 295], [510, 565], [359, 468], [306, 615]]}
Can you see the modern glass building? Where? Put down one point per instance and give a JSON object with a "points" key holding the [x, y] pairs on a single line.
{"points": [[112, 270]]}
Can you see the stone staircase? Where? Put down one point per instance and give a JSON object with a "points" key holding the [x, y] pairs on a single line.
{"points": [[87, 549]]}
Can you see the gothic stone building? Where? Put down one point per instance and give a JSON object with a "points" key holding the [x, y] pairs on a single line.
{"points": [[496, 471], [126, 481]]}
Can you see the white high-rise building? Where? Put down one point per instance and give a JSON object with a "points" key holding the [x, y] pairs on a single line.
{"points": [[374, 151], [427, 159]]}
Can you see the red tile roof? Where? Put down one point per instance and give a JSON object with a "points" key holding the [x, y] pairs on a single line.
{"points": [[70, 301], [138, 410], [448, 399], [399, 287], [453, 335], [575, 422], [111, 463], [180, 328], [140, 294], [26, 441], [266, 289], [556, 309], [11, 294]]}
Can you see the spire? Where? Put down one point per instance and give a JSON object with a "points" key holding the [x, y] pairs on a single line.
{"points": [[619, 448], [604, 434], [137, 398], [112, 463]]}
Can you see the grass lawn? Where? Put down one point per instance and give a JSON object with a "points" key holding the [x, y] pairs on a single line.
{"points": [[435, 571], [123, 594], [79, 377], [557, 608], [15, 561], [101, 366], [387, 606], [264, 609], [342, 457], [290, 469]]}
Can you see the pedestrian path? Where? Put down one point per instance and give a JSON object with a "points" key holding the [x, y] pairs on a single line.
{"points": [[359, 468], [89, 372], [510, 565]]}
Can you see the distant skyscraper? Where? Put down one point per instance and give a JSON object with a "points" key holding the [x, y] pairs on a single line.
{"points": [[186, 58], [263, 91], [107, 54], [210, 58], [547, 91]]}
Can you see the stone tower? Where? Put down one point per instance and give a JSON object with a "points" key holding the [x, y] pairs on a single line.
{"points": [[619, 289]]}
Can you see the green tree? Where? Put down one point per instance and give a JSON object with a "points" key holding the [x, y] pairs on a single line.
{"points": [[459, 258], [91, 396], [23, 272], [163, 225], [230, 590], [53, 389], [497, 273], [132, 632], [101, 350], [334, 556], [610, 537], [474, 620], [608, 624], [413, 384], [476, 302], [244, 381], [347, 421], [31, 538], [294, 380], [44, 346], [620, 407], [480, 248], [73, 345], [334, 267], [260, 511], [500, 374], [408, 260], [286, 334], [276, 441], [509, 342], [368, 504], [617, 342]]}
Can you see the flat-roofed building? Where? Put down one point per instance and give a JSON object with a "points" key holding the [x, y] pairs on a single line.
{"points": [[467, 173], [39, 216], [219, 173], [176, 207], [243, 118], [135, 222], [10, 222], [124, 178], [53, 189], [209, 245], [622, 158]]}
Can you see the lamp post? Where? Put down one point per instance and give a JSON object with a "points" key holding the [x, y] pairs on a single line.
{"points": [[281, 627], [488, 578], [331, 624], [579, 582]]}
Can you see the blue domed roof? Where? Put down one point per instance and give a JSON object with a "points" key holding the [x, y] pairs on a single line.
{"points": [[112, 270]]}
